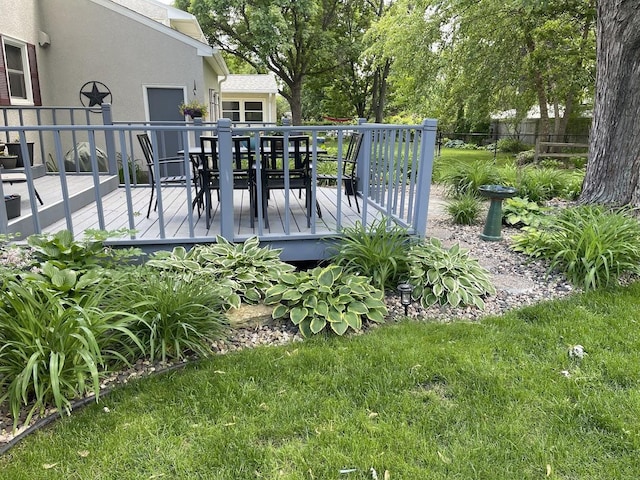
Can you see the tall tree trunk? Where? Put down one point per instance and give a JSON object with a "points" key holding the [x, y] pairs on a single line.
{"points": [[614, 149], [295, 102]]}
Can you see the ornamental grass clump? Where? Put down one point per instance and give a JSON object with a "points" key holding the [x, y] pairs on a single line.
{"points": [[464, 209], [326, 297], [462, 176], [591, 245], [55, 348], [378, 252], [447, 276], [178, 317]]}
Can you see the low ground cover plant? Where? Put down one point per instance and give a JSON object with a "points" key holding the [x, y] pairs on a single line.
{"points": [[447, 276], [326, 297], [591, 245]]}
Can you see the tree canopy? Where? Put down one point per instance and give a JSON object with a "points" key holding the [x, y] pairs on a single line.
{"points": [[294, 39]]}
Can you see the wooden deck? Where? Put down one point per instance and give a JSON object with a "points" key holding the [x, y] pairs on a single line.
{"points": [[176, 213]]}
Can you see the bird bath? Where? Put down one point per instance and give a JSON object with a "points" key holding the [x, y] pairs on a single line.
{"points": [[493, 226]]}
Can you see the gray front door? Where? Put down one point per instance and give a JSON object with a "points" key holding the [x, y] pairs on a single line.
{"points": [[163, 107]]}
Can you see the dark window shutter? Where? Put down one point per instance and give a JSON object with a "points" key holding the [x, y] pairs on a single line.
{"points": [[5, 99], [35, 80]]}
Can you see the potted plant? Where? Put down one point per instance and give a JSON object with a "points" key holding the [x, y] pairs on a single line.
{"points": [[193, 109], [15, 148], [12, 204], [6, 160]]}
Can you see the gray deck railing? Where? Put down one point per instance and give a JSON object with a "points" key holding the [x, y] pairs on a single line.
{"points": [[394, 165]]}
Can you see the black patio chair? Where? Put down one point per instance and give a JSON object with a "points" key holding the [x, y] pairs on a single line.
{"points": [[147, 150], [349, 169], [209, 165], [273, 175]]}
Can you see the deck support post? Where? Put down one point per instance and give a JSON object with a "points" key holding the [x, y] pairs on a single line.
{"points": [[110, 143], [423, 182], [226, 178]]}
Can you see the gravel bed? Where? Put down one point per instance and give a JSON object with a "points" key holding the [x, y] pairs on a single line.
{"points": [[518, 281]]}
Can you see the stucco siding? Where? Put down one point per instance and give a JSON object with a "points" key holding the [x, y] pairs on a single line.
{"points": [[116, 50]]}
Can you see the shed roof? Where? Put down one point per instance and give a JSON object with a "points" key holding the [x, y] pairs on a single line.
{"points": [[256, 83]]}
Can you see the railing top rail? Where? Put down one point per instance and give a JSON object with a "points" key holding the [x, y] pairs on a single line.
{"points": [[201, 128]]}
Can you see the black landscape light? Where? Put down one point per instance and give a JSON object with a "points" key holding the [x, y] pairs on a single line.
{"points": [[405, 290]]}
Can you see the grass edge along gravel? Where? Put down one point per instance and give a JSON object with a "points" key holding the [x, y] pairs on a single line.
{"points": [[506, 397]]}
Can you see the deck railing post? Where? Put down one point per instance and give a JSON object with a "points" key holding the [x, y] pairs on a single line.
{"points": [[225, 144], [425, 168], [109, 140]]}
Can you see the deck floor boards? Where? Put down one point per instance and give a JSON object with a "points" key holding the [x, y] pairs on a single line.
{"points": [[175, 213]]}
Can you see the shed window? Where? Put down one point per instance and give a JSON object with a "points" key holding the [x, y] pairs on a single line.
{"points": [[253, 112], [231, 110]]}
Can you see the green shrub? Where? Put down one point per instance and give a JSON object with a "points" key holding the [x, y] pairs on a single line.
{"points": [[379, 252], [53, 347], [328, 296], [525, 157], [462, 177], [512, 145], [177, 316], [447, 276], [464, 209], [540, 184], [592, 246]]}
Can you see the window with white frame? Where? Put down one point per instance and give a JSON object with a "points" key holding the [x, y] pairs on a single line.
{"points": [[253, 112], [19, 82], [245, 111], [231, 110]]}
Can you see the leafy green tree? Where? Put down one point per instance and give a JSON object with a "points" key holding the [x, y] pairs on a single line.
{"points": [[294, 39], [468, 58]]}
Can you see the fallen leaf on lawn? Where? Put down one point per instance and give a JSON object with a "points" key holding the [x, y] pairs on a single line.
{"points": [[218, 371], [445, 459], [548, 470], [83, 453], [49, 466], [373, 414], [387, 475]]}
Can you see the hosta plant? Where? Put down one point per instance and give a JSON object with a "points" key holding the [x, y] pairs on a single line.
{"points": [[447, 276], [520, 212], [591, 245], [326, 297], [246, 269]]}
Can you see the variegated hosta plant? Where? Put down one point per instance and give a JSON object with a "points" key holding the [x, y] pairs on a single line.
{"points": [[244, 270], [325, 297], [447, 276]]}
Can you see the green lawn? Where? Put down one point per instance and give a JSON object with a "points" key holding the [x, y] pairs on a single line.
{"points": [[485, 400]]}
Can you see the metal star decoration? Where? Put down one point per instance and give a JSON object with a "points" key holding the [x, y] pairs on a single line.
{"points": [[95, 92]]}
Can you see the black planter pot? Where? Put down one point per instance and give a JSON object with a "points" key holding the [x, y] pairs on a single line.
{"points": [[12, 204], [16, 149]]}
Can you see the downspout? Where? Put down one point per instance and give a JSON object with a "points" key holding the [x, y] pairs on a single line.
{"points": [[220, 96]]}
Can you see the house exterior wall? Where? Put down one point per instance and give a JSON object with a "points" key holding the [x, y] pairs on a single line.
{"points": [[22, 24], [114, 49]]}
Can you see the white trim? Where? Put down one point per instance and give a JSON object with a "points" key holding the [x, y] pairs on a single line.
{"points": [[26, 70]]}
